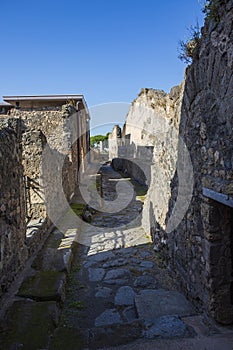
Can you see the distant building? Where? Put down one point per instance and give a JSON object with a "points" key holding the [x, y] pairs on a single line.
{"points": [[62, 121], [5, 108]]}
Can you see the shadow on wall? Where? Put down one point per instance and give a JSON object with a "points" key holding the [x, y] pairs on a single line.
{"points": [[137, 168], [13, 251], [58, 181]]}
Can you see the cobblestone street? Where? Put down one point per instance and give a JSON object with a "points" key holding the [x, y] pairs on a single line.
{"points": [[102, 285], [118, 291], [116, 175]]}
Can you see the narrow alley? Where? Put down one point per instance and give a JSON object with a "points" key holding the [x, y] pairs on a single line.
{"points": [[117, 291]]}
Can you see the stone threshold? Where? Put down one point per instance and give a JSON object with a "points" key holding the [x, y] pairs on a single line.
{"points": [[35, 298]]}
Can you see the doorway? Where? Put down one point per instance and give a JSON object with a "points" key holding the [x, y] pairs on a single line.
{"points": [[220, 262]]}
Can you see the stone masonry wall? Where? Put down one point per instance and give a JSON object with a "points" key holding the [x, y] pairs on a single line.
{"points": [[191, 132], [13, 252], [161, 126], [41, 153], [50, 126], [148, 148], [113, 141], [196, 240], [200, 249]]}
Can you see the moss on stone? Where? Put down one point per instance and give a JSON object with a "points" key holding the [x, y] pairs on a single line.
{"points": [[141, 198], [45, 285], [30, 324], [77, 208], [79, 305]]}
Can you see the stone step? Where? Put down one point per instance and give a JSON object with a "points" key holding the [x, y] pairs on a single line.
{"points": [[58, 251], [152, 304], [29, 325], [44, 286]]}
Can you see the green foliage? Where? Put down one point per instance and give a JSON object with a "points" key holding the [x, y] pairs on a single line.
{"points": [[77, 267], [78, 208], [187, 47], [211, 9], [79, 305], [97, 138]]}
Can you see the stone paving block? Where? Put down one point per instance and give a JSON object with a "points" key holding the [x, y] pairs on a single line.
{"points": [[117, 282], [201, 324], [116, 274], [147, 264], [29, 324], [115, 263], [108, 317], [145, 255], [167, 327], [145, 281], [152, 304], [102, 337], [137, 270], [96, 275], [135, 261], [101, 257], [125, 296], [127, 252], [129, 314], [104, 292], [88, 264], [44, 285]]}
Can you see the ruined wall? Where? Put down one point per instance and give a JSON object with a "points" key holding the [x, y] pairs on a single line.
{"points": [[150, 137], [51, 122], [40, 152], [159, 128], [58, 178], [52, 127], [114, 141], [191, 132], [200, 249], [32, 153], [13, 252], [191, 232]]}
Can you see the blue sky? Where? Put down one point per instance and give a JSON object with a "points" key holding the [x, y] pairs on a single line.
{"points": [[105, 49]]}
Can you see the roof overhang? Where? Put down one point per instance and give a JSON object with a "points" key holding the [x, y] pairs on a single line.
{"points": [[44, 100]]}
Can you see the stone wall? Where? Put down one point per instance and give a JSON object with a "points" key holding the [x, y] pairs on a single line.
{"points": [[58, 182], [161, 130], [191, 225], [50, 133], [200, 249], [114, 140], [188, 209], [150, 137], [42, 152], [41, 125], [13, 252]]}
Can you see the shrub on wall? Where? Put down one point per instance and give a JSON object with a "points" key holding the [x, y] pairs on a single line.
{"points": [[187, 47]]}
